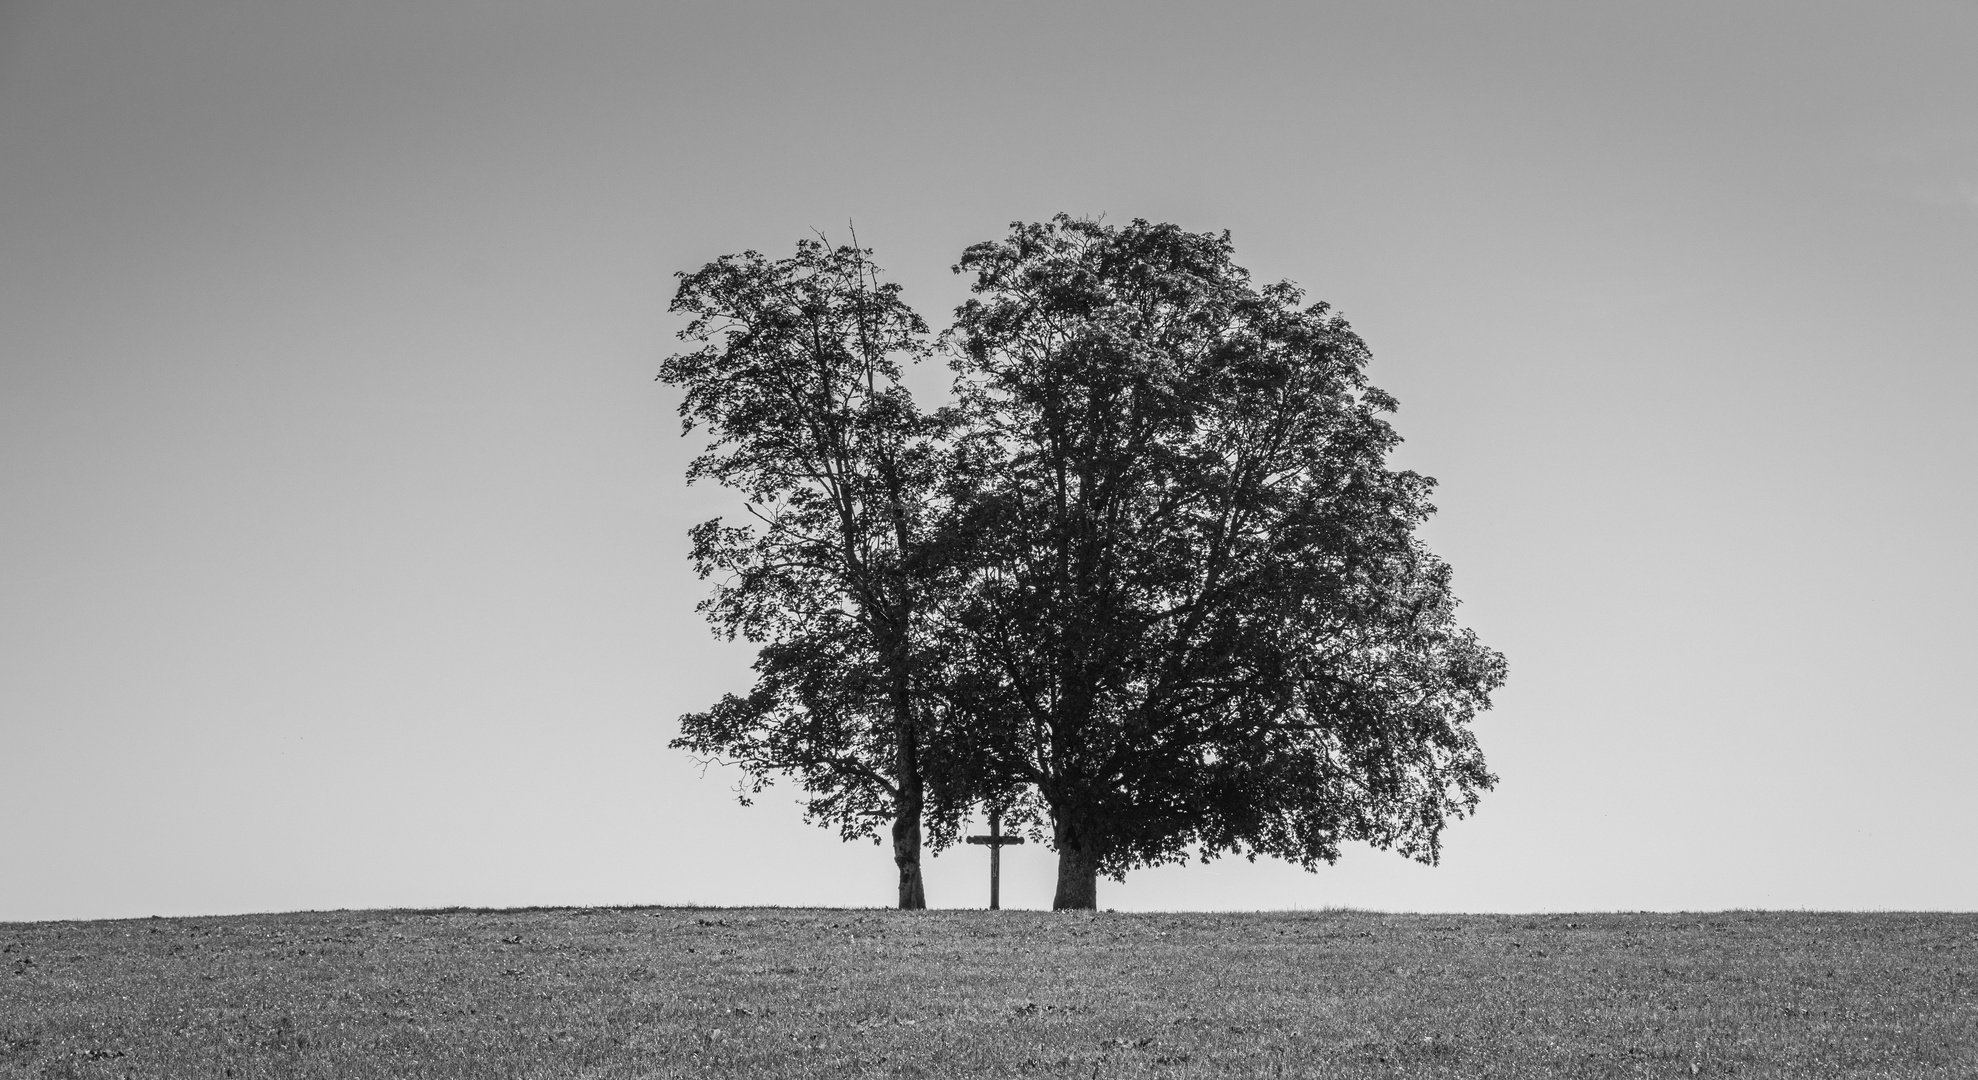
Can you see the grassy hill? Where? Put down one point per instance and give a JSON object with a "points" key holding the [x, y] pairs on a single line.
{"points": [[794, 993]]}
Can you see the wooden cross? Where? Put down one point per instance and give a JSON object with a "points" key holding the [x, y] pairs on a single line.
{"points": [[995, 840]]}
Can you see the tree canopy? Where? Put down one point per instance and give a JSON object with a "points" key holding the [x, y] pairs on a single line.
{"points": [[1199, 613], [797, 382], [1149, 585]]}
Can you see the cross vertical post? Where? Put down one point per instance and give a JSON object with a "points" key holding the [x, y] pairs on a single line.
{"points": [[995, 840], [995, 860]]}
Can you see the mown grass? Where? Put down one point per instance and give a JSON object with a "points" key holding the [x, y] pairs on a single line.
{"points": [[793, 993]]}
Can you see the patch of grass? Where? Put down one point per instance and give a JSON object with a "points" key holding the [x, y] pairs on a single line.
{"points": [[794, 993]]}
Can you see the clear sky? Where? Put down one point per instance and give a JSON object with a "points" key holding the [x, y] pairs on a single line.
{"points": [[342, 555]]}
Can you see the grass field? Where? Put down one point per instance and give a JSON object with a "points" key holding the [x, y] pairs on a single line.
{"points": [[794, 993]]}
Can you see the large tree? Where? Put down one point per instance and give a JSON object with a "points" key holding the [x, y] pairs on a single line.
{"points": [[797, 383], [1200, 617]]}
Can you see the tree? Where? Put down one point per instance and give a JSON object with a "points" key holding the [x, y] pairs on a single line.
{"points": [[1199, 614], [797, 382]]}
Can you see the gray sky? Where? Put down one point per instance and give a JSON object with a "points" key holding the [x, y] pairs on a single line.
{"points": [[342, 555]]}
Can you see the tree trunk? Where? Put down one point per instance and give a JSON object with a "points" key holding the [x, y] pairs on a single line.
{"points": [[913, 798], [1078, 870], [906, 853]]}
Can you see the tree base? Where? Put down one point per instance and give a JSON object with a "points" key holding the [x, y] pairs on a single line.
{"points": [[913, 894], [1078, 881]]}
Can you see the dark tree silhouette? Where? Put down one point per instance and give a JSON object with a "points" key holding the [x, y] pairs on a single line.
{"points": [[797, 383], [1200, 616]]}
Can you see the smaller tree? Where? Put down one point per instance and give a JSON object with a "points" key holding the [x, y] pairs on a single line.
{"points": [[797, 382]]}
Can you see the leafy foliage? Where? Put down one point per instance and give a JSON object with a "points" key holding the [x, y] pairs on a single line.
{"points": [[797, 383], [1150, 581], [1199, 613]]}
